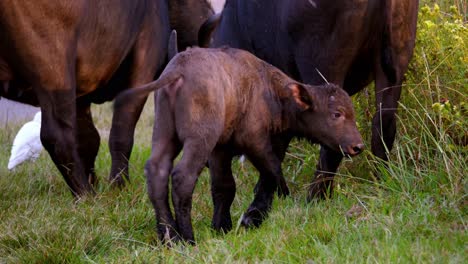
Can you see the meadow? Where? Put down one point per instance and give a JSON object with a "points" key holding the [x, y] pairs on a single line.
{"points": [[416, 213]]}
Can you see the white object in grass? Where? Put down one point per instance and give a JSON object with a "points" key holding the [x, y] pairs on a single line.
{"points": [[27, 143], [242, 159]]}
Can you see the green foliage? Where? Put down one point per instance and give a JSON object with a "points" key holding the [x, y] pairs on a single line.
{"points": [[441, 48], [453, 120], [415, 213], [441, 54]]}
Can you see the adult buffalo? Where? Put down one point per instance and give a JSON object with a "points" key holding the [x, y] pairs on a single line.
{"points": [[186, 17], [348, 42], [64, 55]]}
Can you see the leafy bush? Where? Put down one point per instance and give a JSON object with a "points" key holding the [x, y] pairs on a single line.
{"points": [[441, 47], [438, 75]]}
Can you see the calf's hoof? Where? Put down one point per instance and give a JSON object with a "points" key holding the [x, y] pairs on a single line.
{"points": [[252, 218]]}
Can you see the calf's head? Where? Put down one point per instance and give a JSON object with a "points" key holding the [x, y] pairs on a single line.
{"points": [[325, 115]]}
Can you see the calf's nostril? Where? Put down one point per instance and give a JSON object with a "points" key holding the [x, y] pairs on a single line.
{"points": [[358, 148]]}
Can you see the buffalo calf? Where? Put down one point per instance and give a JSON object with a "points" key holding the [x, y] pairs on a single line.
{"points": [[213, 104]]}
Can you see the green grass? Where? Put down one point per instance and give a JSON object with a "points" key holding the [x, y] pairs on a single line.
{"points": [[417, 212]]}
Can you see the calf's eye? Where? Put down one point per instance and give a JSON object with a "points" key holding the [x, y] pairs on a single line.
{"points": [[337, 115]]}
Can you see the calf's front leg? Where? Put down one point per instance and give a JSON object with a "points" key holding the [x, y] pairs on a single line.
{"points": [[269, 168]]}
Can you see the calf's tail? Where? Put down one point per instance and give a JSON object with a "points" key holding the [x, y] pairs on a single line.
{"points": [[129, 99]]}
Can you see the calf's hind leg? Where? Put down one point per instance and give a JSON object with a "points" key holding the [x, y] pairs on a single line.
{"points": [[223, 188], [165, 149], [157, 172], [184, 177]]}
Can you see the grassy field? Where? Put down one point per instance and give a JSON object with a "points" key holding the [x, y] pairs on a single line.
{"points": [[416, 213]]}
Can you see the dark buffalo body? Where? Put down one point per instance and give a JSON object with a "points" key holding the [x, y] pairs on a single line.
{"points": [[186, 17], [217, 103], [347, 42], [64, 55], [69, 54]]}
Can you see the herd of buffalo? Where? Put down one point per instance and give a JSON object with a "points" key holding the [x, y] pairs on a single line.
{"points": [[266, 71]]}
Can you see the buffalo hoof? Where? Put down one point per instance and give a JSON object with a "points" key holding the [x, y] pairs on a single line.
{"points": [[92, 179], [283, 190], [223, 226], [82, 194], [168, 236], [118, 181], [319, 191], [252, 218]]}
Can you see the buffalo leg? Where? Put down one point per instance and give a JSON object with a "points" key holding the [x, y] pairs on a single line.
{"points": [[149, 56], [184, 178], [223, 188], [56, 93], [322, 184], [387, 95], [88, 140], [58, 138], [269, 167], [390, 65], [280, 151], [158, 169], [121, 144], [165, 149], [384, 122], [48, 60]]}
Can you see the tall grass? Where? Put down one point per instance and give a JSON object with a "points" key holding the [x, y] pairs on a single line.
{"points": [[417, 212]]}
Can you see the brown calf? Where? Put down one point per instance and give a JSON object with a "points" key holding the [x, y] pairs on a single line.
{"points": [[217, 103]]}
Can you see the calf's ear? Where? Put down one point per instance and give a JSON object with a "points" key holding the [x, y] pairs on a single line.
{"points": [[300, 95]]}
